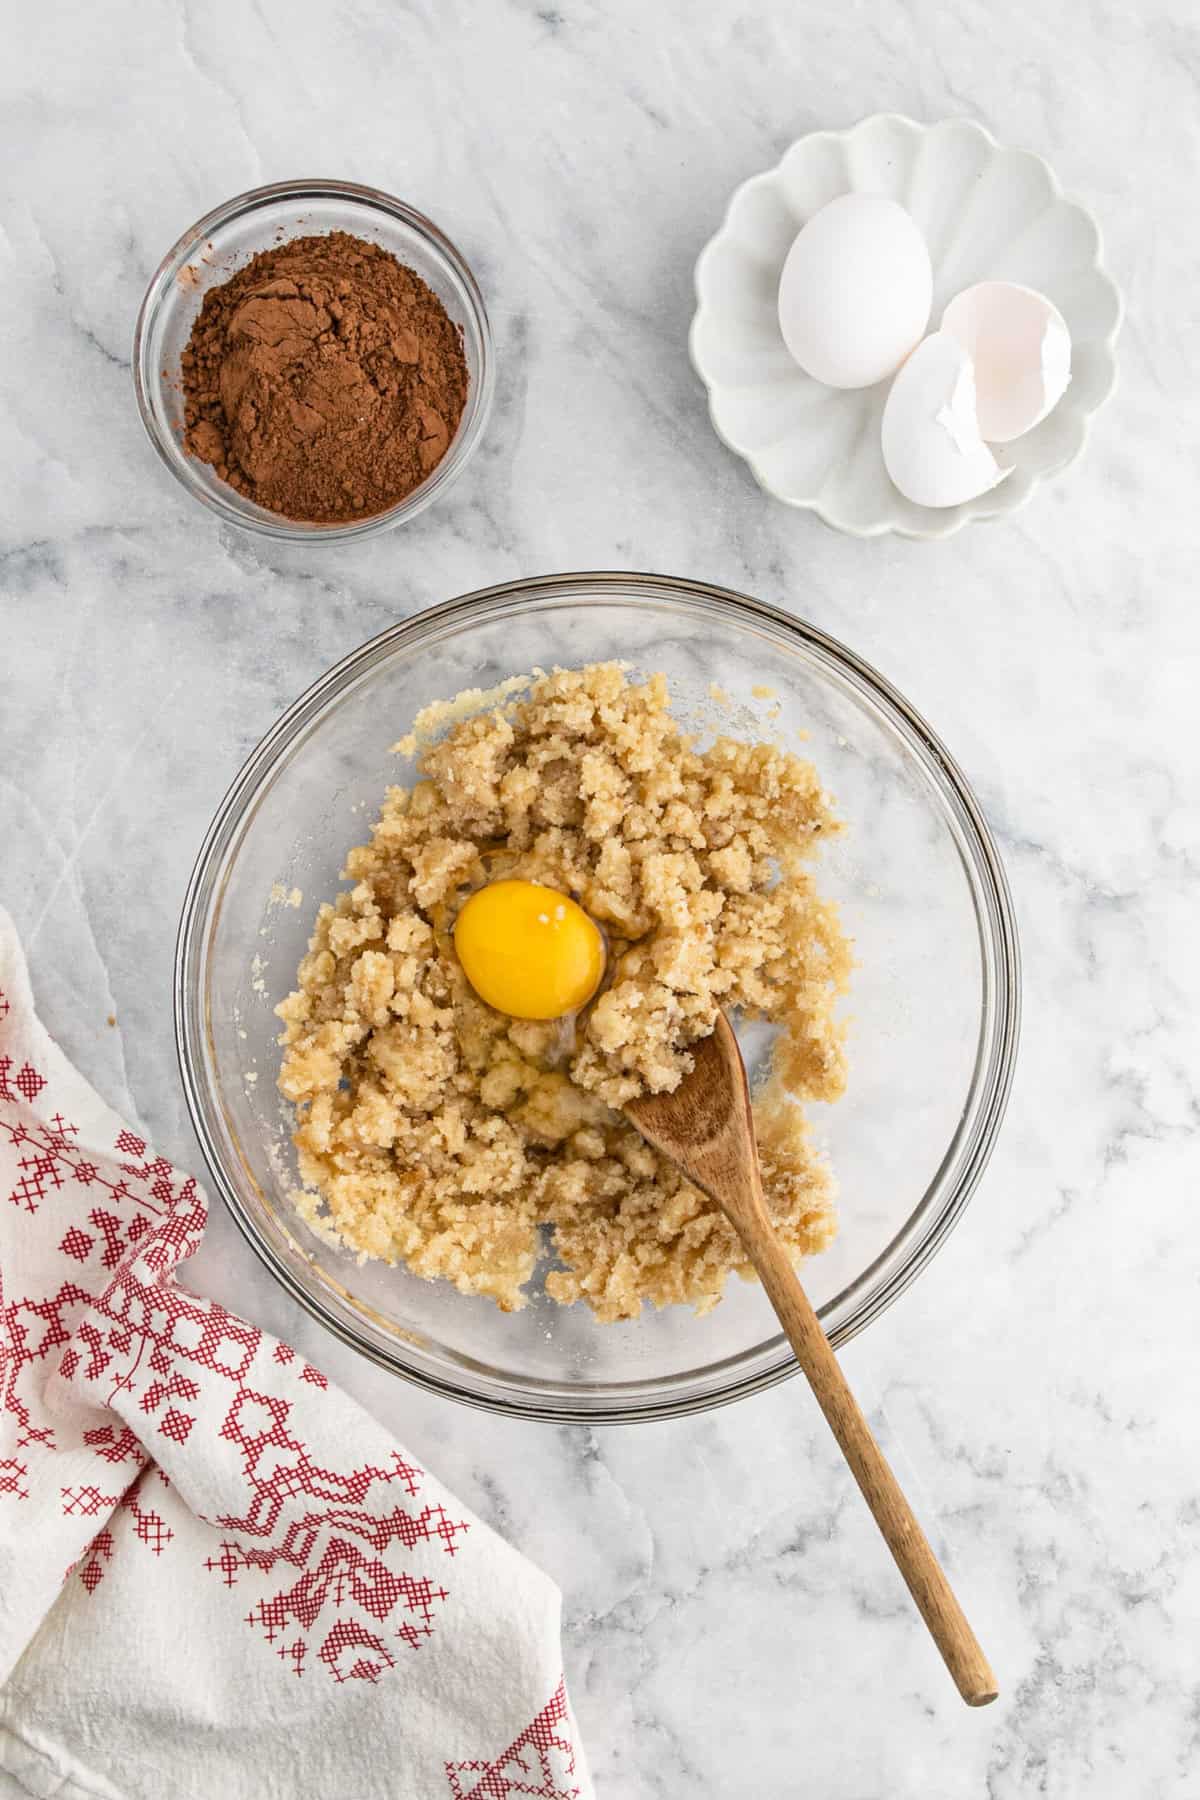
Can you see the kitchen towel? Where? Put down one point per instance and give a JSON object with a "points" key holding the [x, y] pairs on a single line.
{"points": [[218, 1575]]}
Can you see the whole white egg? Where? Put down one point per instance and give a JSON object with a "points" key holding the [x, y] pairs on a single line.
{"points": [[856, 290]]}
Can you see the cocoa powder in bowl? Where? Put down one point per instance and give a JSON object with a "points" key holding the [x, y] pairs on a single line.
{"points": [[324, 380]]}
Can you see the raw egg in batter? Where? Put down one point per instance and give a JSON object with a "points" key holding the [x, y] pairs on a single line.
{"points": [[528, 950]]}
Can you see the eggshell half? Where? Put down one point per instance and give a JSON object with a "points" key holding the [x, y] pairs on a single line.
{"points": [[1021, 349], [932, 445], [855, 291]]}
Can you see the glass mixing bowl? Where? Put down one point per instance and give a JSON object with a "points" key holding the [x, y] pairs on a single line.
{"points": [[216, 247], [933, 1011]]}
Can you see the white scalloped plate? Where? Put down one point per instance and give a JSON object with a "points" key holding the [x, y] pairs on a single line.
{"points": [[987, 214]]}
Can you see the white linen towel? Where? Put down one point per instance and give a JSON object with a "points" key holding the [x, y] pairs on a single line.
{"points": [[219, 1577]]}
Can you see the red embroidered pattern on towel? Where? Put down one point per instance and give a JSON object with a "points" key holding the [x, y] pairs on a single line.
{"points": [[539, 1763], [187, 1364]]}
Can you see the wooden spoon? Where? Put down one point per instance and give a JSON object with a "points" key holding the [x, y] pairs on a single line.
{"points": [[706, 1128]]}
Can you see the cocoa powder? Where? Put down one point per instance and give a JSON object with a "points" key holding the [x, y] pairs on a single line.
{"points": [[324, 380]]}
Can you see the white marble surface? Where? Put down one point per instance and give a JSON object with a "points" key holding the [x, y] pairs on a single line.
{"points": [[732, 1626]]}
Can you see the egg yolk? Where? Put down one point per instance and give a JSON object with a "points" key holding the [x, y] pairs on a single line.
{"points": [[528, 950]]}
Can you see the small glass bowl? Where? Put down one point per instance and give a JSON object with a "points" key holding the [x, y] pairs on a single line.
{"points": [[932, 1012], [225, 239]]}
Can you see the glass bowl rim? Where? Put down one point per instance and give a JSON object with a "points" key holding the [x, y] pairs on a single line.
{"points": [[990, 895], [479, 398]]}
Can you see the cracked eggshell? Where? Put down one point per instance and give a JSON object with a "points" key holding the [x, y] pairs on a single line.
{"points": [[1021, 349], [932, 445], [855, 291]]}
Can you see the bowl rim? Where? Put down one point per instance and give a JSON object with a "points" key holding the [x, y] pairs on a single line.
{"points": [[976, 511], [479, 397], [1000, 950]]}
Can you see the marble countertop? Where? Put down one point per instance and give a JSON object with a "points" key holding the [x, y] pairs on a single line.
{"points": [[732, 1626]]}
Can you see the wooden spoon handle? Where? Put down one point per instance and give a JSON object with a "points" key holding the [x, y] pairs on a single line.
{"points": [[908, 1544]]}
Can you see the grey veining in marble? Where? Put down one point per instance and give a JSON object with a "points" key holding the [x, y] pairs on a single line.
{"points": [[732, 1626]]}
